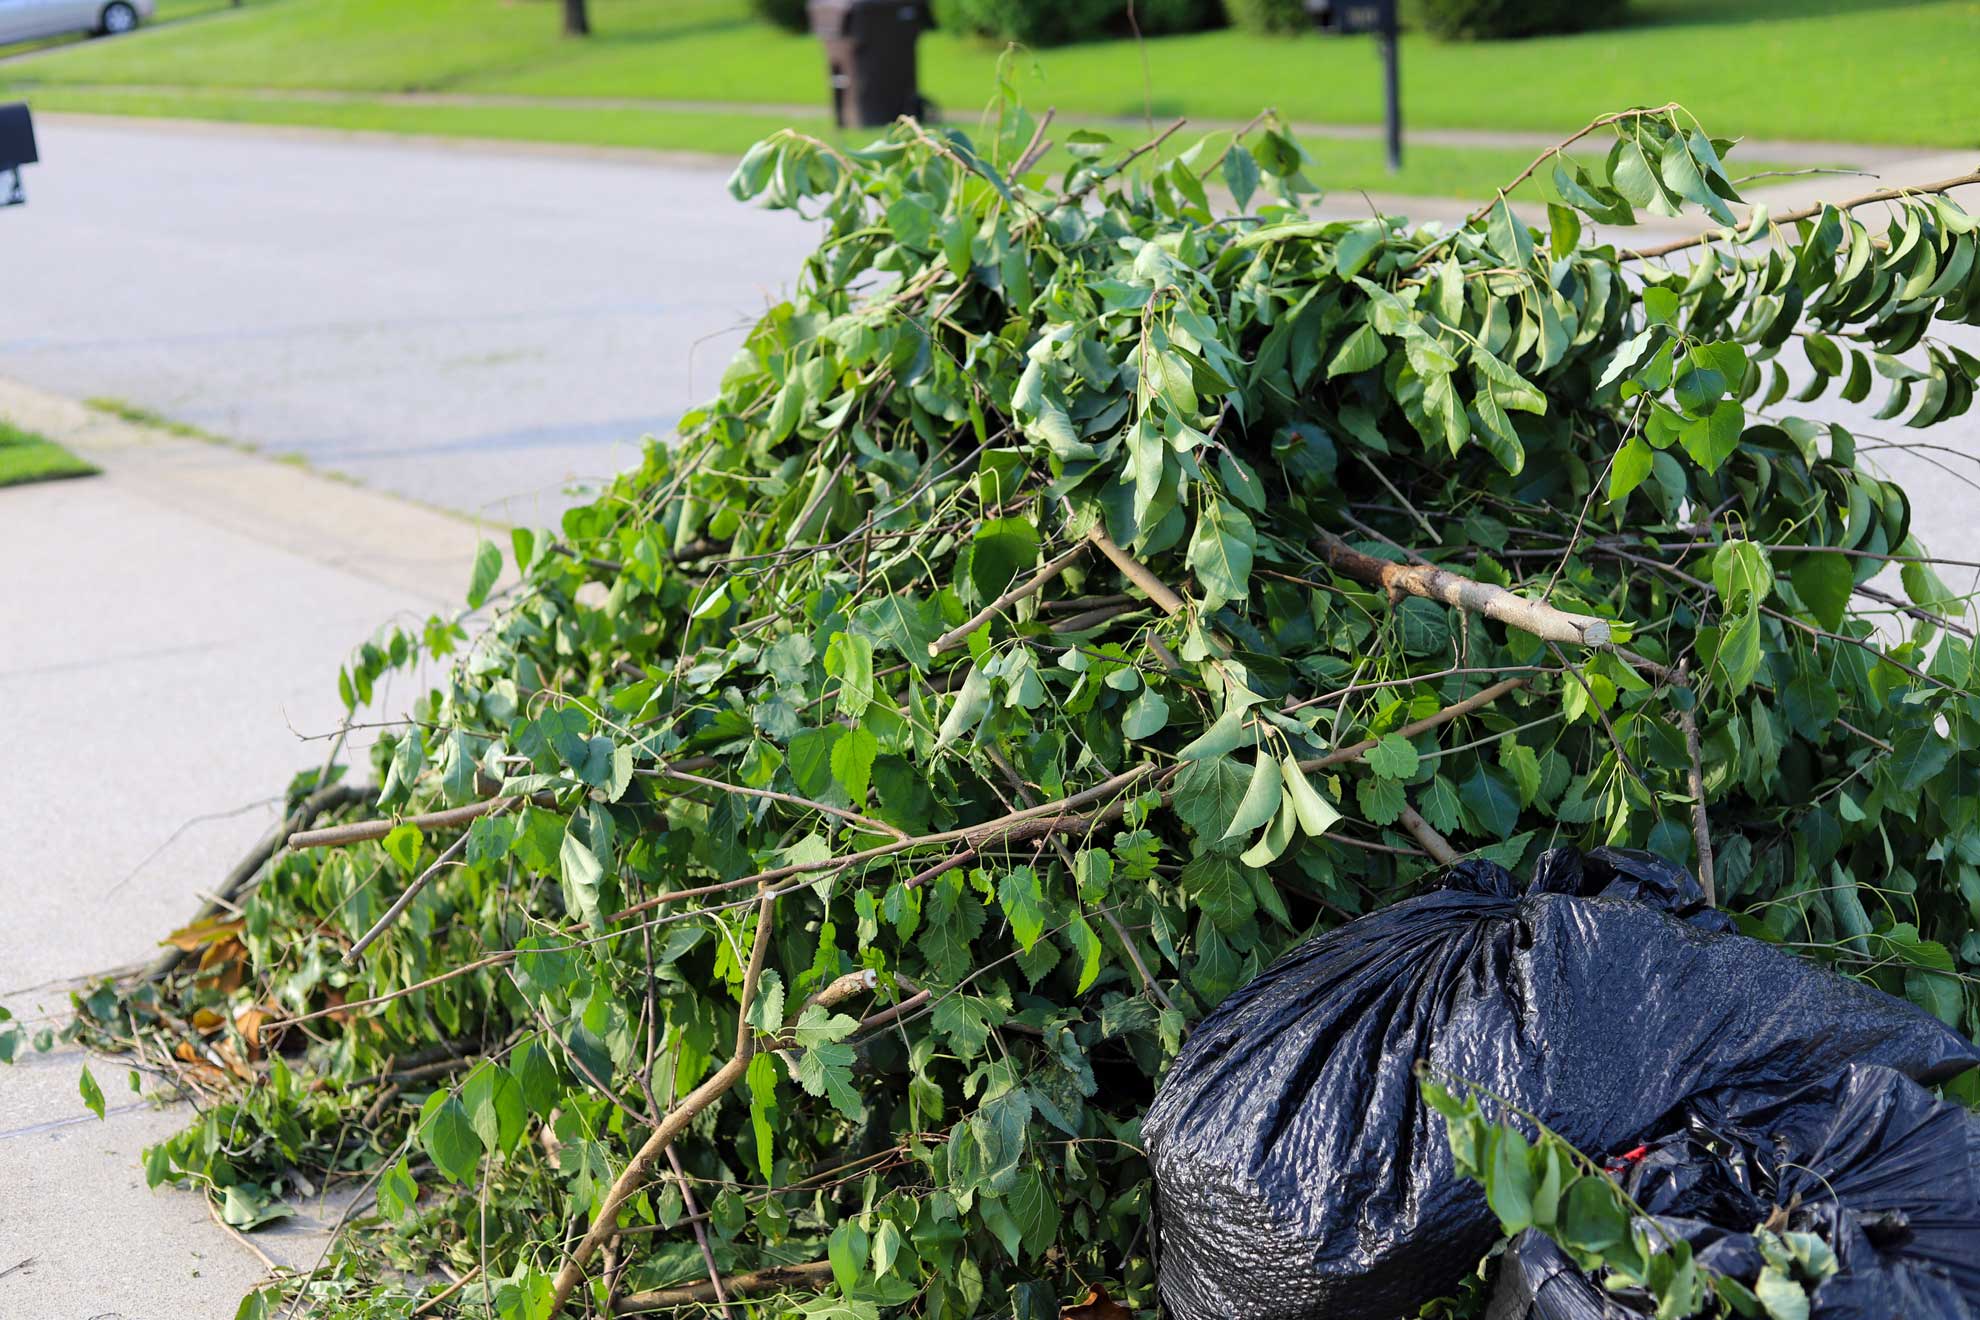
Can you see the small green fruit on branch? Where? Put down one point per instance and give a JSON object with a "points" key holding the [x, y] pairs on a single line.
{"points": [[1440, 584]]}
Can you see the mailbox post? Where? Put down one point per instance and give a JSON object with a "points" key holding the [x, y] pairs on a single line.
{"points": [[16, 150], [1352, 17]]}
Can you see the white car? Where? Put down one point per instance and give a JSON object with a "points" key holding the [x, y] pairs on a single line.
{"points": [[30, 20]]}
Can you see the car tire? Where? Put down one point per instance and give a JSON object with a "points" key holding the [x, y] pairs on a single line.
{"points": [[118, 17]]}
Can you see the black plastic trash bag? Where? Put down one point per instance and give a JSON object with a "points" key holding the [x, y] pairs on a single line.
{"points": [[1298, 1172], [1869, 1162]]}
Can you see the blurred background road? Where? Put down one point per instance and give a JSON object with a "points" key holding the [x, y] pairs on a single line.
{"points": [[474, 327]]}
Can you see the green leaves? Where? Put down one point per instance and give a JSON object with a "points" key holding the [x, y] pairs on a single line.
{"points": [[824, 1068], [1023, 902], [487, 567], [1220, 553], [1824, 583], [1360, 351], [1545, 1184], [1393, 757], [1743, 579], [1261, 798], [448, 1137], [92, 1094]]}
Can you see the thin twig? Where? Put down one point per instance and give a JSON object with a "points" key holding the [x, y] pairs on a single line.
{"points": [[1037, 582], [272, 1265], [405, 899], [1804, 213], [1527, 173], [1030, 799], [866, 822], [605, 1221], [367, 831], [700, 1232], [1037, 147]]}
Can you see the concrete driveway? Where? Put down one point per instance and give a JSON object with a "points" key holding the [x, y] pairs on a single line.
{"points": [[471, 326]]}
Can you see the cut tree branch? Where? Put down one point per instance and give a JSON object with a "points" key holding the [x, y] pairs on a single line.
{"points": [[605, 1223], [812, 1274], [864, 822], [1456, 710], [452, 818], [404, 900], [1136, 572], [1440, 584], [1805, 213], [955, 636], [324, 799], [1424, 833]]}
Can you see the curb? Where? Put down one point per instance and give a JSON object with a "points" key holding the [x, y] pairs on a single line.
{"points": [[369, 534]]}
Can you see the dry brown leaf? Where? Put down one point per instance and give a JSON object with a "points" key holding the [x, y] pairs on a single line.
{"points": [[1097, 1306], [248, 1022], [191, 938], [205, 1021]]}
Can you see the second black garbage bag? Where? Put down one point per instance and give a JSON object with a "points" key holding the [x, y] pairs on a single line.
{"points": [[1300, 1176], [1869, 1162]]}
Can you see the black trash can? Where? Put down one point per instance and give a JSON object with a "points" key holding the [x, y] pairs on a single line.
{"points": [[869, 50], [16, 149]]}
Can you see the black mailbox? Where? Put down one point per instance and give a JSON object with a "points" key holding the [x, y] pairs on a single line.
{"points": [[1350, 18], [869, 49], [16, 150]]}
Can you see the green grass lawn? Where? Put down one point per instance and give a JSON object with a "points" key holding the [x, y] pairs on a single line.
{"points": [[25, 457], [1874, 71]]}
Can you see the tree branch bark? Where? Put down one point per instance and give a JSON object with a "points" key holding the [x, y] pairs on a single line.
{"points": [[812, 1274], [1701, 828], [366, 831], [1440, 584], [1136, 572]]}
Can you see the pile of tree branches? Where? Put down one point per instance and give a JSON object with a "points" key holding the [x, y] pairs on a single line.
{"points": [[788, 897]]}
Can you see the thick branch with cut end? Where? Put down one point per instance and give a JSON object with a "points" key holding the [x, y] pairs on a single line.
{"points": [[1440, 584], [1424, 833]]}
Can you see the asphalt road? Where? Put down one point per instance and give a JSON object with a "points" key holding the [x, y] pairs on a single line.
{"points": [[479, 326], [474, 327]]}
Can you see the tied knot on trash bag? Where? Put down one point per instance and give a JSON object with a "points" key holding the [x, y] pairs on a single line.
{"points": [[1300, 1173]]}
